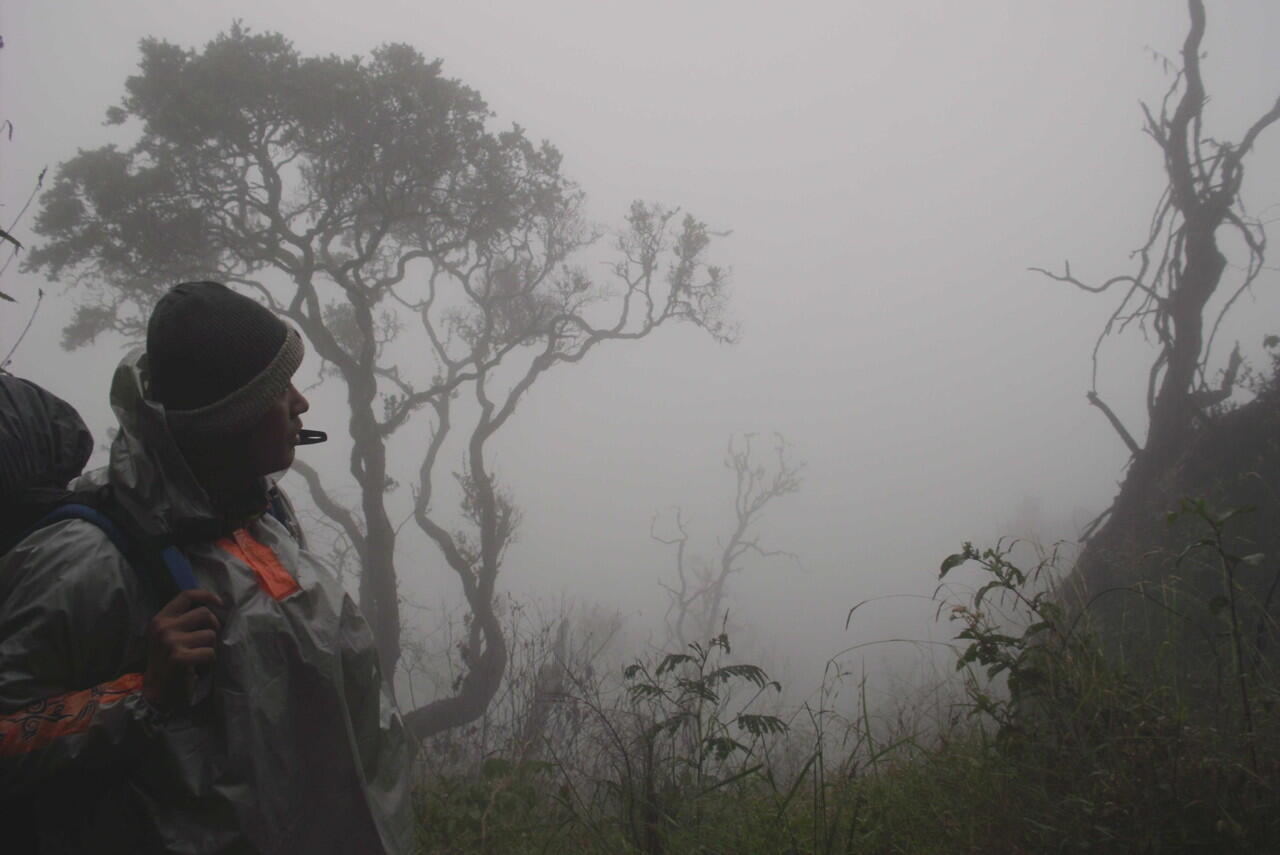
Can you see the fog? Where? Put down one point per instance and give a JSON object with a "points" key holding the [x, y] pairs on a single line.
{"points": [[886, 173]]}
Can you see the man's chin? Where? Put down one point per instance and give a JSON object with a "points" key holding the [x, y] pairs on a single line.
{"points": [[280, 467]]}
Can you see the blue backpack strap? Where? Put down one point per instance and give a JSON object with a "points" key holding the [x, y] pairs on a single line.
{"points": [[278, 509], [175, 563], [184, 578], [76, 511]]}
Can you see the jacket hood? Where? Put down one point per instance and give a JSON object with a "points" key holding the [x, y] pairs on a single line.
{"points": [[148, 473], [43, 441]]}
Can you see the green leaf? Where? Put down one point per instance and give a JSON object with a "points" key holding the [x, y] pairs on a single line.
{"points": [[672, 724], [722, 746], [982, 592], [758, 725], [644, 690], [673, 661], [700, 689], [951, 562], [745, 672]]}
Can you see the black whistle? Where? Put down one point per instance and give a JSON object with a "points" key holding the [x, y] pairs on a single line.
{"points": [[311, 437]]}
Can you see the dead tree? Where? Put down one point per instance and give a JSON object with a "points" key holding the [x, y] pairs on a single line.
{"points": [[1180, 268], [698, 594]]}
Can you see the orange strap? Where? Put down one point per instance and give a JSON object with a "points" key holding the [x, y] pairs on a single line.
{"points": [[271, 575], [49, 719]]}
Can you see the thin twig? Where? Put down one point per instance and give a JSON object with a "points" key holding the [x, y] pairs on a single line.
{"points": [[34, 192], [9, 356]]}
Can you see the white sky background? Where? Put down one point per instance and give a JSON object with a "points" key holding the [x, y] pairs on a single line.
{"points": [[888, 171]]}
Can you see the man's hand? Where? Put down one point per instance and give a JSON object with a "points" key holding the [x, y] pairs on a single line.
{"points": [[180, 637]]}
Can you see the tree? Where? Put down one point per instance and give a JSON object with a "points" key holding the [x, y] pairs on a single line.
{"points": [[1180, 268], [696, 597], [354, 196]]}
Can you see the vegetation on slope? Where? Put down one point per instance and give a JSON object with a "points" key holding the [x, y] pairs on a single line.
{"points": [[1049, 746]]}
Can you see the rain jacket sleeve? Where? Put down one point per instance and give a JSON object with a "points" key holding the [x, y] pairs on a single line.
{"points": [[71, 652]]}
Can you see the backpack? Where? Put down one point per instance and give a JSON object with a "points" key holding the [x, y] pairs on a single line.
{"points": [[43, 445]]}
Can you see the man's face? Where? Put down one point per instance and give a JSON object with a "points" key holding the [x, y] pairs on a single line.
{"points": [[270, 443]]}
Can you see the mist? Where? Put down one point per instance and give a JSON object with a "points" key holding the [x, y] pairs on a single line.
{"points": [[880, 176]]}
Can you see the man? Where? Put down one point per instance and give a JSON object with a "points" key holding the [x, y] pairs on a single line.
{"points": [[247, 715]]}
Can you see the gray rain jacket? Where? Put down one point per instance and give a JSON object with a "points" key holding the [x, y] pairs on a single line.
{"points": [[297, 746]]}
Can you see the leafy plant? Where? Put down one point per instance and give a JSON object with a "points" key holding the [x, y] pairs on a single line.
{"points": [[1233, 602], [1022, 656], [686, 744]]}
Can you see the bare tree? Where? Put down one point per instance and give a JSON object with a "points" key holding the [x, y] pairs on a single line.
{"points": [[1180, 268], [698, 594], [552, 323]]}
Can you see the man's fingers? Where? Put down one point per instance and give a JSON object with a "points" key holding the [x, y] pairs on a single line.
{"points": [[198, 618], [185, 601], [194, 656], [177, 639], [182, 636], [199, 638], [199, 596]]}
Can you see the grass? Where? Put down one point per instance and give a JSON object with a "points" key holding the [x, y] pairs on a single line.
{"points": [[1050, 746]]}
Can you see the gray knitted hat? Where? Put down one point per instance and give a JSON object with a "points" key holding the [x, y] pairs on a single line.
{"points": [[217, 359]]}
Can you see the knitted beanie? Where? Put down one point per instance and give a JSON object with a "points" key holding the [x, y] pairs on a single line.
{"points": [[217, 359]]}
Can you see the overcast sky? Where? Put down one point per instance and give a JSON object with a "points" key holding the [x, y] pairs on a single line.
{"points": [[888, 172]]}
